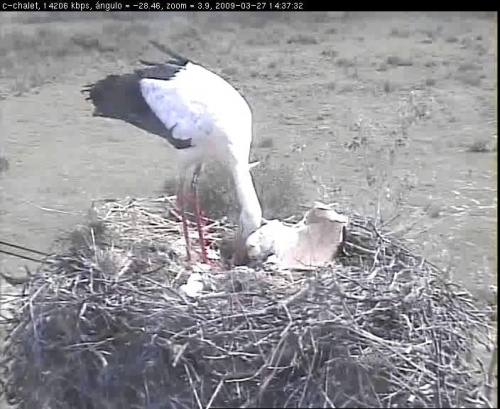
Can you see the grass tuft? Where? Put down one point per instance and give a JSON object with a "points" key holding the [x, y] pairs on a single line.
{"points": [[4, 164]]}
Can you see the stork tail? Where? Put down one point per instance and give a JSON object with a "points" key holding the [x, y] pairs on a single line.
{"points": [[179, 58]]}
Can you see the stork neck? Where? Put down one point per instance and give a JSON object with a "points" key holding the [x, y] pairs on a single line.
{"points": [[251, 212]]}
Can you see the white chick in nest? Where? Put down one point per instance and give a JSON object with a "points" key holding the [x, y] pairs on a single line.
{"points": [[312, 242], [194, 286]]}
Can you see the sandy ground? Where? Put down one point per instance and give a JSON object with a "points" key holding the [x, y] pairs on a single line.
{"points": [[316, 82]]}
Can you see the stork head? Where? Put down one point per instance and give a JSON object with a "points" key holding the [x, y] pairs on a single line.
{"points": [[234, 247]]}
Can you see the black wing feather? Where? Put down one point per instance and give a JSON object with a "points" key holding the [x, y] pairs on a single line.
{"points": [[179, 59], [120, 97], [165, 71]]}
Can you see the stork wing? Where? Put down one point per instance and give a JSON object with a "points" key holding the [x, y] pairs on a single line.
{"points": [[188, 118], [178, 100]]}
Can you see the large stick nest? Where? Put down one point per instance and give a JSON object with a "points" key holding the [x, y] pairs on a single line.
{"points": [[105, 326]]}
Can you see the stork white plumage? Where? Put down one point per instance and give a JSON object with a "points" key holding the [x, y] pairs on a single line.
{"points": [[199, 113]]}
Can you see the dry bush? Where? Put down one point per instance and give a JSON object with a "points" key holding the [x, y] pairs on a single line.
{"points": [[85, 236], [303, 39], [4, 164], [330, 53], [277, 187], [345, 62], [388, 86], [23, 47], [266, 142], [382, 67], [469, 73], [430, 82], [400, 33], [260, 20], [469, 78], [399, 61], [215, 191], [481, 146], [64, 16], [386, 190], [42, 42]]}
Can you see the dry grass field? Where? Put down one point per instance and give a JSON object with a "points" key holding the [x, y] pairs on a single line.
{"points": [[389, 114]]}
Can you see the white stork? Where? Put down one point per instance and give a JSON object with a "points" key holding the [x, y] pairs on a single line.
{"points": [[200, 114]]}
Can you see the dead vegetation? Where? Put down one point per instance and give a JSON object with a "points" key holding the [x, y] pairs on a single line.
{"points": [[36, 51], [4, 164], [388, 189], [34, 47], [278, 188], [400, 33], [399, 61], [267, 142], [108, 327], [302, 39], [482, 145]]}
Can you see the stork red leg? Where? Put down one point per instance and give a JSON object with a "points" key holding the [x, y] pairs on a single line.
{"points": [[180, 205], [199, 223]]}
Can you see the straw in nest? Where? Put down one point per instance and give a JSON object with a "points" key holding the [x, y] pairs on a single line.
{"points": [[109, 328]]}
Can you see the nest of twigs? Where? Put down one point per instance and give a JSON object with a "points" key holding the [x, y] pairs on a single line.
{"points": [[107, 327]]}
